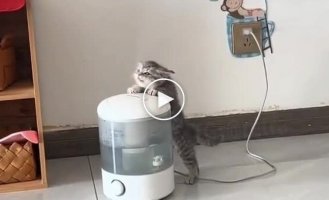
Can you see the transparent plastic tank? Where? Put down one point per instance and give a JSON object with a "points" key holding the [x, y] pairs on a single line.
{"points": [[132, 142]]}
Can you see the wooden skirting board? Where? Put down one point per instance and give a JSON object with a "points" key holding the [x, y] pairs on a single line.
{"points": [[85, 141]]}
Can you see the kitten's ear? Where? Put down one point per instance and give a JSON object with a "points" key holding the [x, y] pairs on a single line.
{"points": [[168, 71], [139, 65]]}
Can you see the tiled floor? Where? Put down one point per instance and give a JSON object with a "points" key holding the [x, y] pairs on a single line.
{"points": [[302, 162]]}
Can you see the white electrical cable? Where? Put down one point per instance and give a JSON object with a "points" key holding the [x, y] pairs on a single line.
{"points": [[260, 111], [266, 8], [273, 168]]}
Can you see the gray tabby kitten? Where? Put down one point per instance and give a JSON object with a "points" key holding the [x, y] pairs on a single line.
{"points": [[185, 137]]}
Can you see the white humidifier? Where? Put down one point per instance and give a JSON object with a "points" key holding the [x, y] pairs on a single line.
{"points": [[136, 149]]}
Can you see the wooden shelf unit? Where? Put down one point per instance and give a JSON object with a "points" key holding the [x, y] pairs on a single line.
{"points": [[20, 103], [29, 185]]}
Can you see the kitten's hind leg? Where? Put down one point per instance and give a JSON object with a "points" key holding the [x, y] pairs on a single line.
{"points": [[193, 173], [186, 151], [135, 89]]}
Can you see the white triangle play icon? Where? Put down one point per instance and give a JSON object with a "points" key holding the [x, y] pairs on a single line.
{"points": [[163, 99]]}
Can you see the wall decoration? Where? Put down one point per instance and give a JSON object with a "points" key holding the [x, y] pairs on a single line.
{"points": [[255, 19]]}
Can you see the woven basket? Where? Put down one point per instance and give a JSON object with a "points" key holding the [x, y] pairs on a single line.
{"points": [[17, 163]]}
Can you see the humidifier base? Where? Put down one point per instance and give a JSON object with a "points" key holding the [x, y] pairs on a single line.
{"points": [[138, 187]]}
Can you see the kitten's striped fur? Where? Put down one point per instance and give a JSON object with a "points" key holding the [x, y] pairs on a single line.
{"points": [[184, 135]]}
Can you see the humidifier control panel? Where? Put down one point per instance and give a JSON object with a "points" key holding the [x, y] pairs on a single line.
{"points": [[118, 187]]}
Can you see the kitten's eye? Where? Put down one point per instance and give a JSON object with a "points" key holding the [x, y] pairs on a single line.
{"points": [[147, 73]]}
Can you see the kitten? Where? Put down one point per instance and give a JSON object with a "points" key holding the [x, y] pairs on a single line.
{"points": [[184, 135]]}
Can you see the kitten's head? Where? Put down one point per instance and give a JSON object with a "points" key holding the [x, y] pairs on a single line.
{"points": [[149, 71]]}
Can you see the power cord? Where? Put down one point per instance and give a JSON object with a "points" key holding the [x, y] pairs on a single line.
{"points": [[257, 157], [266, 8]]}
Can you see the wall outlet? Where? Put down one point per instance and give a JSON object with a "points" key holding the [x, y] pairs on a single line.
{"points": [[245, 44]]}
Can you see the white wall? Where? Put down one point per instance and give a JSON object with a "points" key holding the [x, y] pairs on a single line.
{"points": [[88, 49]]}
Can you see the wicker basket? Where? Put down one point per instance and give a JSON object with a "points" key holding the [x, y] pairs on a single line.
{"points": [[17, 163]]}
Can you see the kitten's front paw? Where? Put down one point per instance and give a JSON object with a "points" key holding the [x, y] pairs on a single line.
{"points": [[132, 90], [152, 92]]}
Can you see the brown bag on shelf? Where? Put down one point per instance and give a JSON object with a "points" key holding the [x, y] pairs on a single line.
{"points": [[7, 62]]}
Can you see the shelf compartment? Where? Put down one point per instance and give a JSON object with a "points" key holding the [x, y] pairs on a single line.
{"points": [[17, 116], [19, 90]]}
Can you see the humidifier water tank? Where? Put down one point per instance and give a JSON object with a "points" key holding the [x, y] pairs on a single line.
{"points": [[136, 149]]}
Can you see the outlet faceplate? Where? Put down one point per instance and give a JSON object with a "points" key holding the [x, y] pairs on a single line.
{"points": [[245, 44]]}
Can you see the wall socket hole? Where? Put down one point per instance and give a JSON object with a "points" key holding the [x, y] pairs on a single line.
{"points": [[243, 42]]}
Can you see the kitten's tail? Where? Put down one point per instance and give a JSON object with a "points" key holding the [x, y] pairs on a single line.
{"points": [[205, 137]]}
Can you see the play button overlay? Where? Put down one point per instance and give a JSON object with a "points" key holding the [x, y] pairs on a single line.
{"points": [[163, 101]]}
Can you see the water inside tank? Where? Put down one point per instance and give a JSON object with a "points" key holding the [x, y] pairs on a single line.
{"points": [[136, 148]]}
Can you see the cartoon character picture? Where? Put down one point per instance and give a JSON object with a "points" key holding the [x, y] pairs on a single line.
{"points": [[235, 9]]}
